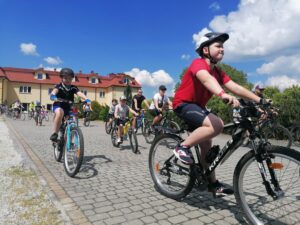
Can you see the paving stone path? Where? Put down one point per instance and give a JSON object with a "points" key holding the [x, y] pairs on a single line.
{"points": [[114, 185]]}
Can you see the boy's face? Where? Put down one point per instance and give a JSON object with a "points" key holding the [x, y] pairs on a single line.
{"points": [[216, 50], [123, 102], [67, 80], [114, 103]]}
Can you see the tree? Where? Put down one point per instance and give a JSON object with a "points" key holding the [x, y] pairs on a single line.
{"points": [[180, 79], [128, 94]]}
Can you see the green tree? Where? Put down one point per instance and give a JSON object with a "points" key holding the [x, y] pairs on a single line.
{"points": [[103, 112], [180, 79], [128, 94], [96, 110]]}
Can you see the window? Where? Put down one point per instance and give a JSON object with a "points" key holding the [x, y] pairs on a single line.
{"points": [[126, 80], [84, 92], [40, 76], [25, 89], [93, 80], [49, 91], [102, 94]]}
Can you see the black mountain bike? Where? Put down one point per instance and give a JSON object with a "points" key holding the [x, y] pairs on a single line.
{"points": [[266, 180], [165, 124]]}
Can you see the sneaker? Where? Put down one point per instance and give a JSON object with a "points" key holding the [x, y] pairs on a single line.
{"points": [[54, 137], [119, 140], [221, 190], [183, 154]]}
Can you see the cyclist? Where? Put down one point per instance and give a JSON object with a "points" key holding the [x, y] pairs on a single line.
{"points": [[31, 108], [111, 111], [137, 105], [86, 109], [121, 114], [17, 107], [66, 91], [259, 90], [38, 110], [202, 80], [159, 102]]}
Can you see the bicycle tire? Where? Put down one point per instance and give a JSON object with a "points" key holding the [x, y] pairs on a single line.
{"points": [[149, 134], [79, 153], [23, 116], [108, 127], [156, 170], [133, 141], [241, 178], [58, 149], [278, 135], [296, 135]]}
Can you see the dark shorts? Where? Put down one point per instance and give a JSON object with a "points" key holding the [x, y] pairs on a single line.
{"points": [[154, 112], [66, 109], [121, 122], [192, 114], [111, 115]]}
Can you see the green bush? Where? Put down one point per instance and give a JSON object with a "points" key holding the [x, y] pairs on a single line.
{"points": [[96, 110], [104, 112]]}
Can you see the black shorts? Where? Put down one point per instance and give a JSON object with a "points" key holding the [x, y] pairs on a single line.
{"points": [[155, 112], [192, 114], [110, 115], [121, 122]]}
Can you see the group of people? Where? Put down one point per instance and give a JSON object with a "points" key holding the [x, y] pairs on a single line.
{"points": [[201, 81]]}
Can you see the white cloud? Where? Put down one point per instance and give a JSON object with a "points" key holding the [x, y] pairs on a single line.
{"points": [[146, 78], [185, 57], [49, 68], [53, 61], [28, 49], [259, 28], [215, 6], [282, 65], [282, 82]]}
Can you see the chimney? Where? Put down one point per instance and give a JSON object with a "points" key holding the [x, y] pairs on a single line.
{"points": [[92, 71]]}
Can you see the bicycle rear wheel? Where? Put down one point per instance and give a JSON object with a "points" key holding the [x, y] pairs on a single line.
{"points": [[250, 192], [278, 135], [108, 126], [133, 141], [73, 151], [171, 177], [58, 149], [296, 136], [149, 133]]}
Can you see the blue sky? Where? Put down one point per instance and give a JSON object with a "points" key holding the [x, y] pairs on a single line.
{"points": [[151, 40]]}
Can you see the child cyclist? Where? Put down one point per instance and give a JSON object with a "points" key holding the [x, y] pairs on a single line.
{"points": [[202, 80], [121, 114], [66, 91], [111, 112]]}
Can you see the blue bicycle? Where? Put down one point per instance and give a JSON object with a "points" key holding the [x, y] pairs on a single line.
{"points": [[70, 144]]}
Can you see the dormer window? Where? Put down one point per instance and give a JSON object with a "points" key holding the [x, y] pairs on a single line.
{"points": [[93, 80], [126, 80], [40, 76]]}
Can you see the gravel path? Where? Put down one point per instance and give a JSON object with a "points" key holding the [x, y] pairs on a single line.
{"points": [[23, 198]]}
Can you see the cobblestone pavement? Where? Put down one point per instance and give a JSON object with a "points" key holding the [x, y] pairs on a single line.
{"points": [[115, 187]]}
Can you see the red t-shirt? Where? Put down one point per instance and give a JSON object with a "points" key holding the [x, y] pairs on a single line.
{"points": [[191, 90]]}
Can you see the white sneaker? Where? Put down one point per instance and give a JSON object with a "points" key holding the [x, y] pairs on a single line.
{"points": [[119, 140]]}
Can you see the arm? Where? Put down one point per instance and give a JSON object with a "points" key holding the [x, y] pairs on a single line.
{"points": [[53, 94], [132, 111], [241, 91], [116, 112], [146, 103], [214, 87], [135, 104], [81, 95]]}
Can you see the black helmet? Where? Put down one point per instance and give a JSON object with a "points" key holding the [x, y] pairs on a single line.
{"points": [[210, 38], [66, 72], [162, 87]]}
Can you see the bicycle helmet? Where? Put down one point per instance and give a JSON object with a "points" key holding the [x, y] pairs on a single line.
{"points": [[123, 98], [208, 39], [66, 72]]}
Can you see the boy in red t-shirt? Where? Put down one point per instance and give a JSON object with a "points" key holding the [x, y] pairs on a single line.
{"points": [[201, 81]]}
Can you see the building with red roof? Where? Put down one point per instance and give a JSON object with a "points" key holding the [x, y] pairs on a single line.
{"points": [[30, 85]]}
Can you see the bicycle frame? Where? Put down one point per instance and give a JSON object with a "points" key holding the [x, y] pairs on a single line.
{"points": [[70, 122]]}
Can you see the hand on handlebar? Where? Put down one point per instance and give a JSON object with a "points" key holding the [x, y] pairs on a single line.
{"points": [[230, 100]]}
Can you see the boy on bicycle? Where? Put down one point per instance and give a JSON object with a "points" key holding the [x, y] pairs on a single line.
{"points": [[64, 91], [111, 112], [37, 109], [202, 80], [86, 109], [137, 101], [121, 114], [160, 100]]}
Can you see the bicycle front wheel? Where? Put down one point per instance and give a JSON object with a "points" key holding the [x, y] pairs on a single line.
{"points": [[149, 133], [114, 136], [171, 177], [251, 192], [74, 151], [133, 141], [278, 135]]}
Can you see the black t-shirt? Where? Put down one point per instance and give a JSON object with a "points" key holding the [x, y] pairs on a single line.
{"points": [[139, 100], [65, 93]]}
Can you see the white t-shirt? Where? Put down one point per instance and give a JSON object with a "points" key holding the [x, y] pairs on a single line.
{"points": [[160, 99], [123, 111]]}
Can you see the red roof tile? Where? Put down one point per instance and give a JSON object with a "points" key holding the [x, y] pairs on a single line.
{"points": [[27, 76]]}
